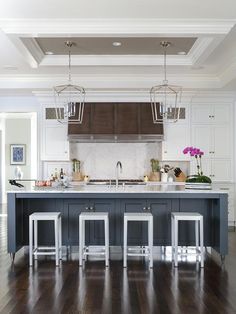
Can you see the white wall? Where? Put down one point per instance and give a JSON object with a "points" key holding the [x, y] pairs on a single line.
{"points": [[99, 159], [1, 153], [17, 131]]}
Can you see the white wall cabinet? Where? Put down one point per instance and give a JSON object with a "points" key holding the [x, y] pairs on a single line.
{"points": [[211, 113], [211, 131], [213, 140], [219, 170], [177, 137], [54, 143]]}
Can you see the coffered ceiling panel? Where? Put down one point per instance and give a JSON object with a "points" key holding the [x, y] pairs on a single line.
{"points": [[105, 45]]}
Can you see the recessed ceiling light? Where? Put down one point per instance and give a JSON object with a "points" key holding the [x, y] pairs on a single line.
{"points": [[116, 44], [49, 53], [181, 53]]}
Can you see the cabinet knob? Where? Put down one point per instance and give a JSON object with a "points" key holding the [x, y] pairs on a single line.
{"points": [[149, 208], [144, 208], [86, 208], [91, 208]]}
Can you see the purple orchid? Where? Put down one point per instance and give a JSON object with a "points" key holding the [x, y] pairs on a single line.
{"points": [[197, 153]]}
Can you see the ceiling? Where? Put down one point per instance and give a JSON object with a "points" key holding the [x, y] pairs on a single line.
{"points": [[29, 30], [106, 45]]}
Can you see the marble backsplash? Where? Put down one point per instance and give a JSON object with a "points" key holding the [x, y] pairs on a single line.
{"points": [[99, 159]]}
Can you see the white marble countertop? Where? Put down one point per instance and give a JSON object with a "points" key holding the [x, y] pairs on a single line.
{"points": [[159, 188]]}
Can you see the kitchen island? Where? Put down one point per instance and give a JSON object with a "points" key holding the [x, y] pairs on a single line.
{"points": [[160, 200]]}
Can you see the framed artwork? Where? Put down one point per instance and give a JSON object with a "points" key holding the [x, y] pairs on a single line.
{"points": [[17, 154]]}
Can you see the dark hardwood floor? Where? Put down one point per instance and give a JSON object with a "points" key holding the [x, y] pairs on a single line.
{"points": [[94, 289]]}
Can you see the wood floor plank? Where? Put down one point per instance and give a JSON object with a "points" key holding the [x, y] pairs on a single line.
{"points": [[95, 289]]}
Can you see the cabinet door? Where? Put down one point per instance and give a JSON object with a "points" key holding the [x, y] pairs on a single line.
{"points": [[96, 228], [146, 121], [202, 138], [55, 145], [103, 118], [137, 231], [70, 220], [202, 113], [221, 138], [126, 121], [206, 167], [177, 138], [222, 113], [85, 126], [161, 210], [221, 170]]}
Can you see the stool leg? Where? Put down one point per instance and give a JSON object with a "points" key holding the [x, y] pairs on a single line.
{"points": [[106, 224], [201, 241], [80, 241], [30, 242], [84, 256], [172, 237], [197, 235], [150, 241], [56, 241], [36, 239], [176, 241], [125, 243], [60, 239]]}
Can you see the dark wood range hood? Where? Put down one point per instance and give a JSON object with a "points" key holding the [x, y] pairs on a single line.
{"points": [[116, 122]]}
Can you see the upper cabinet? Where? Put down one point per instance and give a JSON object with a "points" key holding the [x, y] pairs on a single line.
{"points": [[116, 122], [85, 127], [54, 143], [146, 122], [212, 132], [102, 118], [177, 137], [214, 141], [210, 113], [127, 118]]}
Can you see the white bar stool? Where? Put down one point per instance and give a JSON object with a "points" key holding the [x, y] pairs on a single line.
{"points": [[85, 251], [144, 252], [187, 216], [35, 250]]}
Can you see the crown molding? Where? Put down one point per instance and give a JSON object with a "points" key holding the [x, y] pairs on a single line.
{"points": [[94, 81], [115, 60], [86, 27]]}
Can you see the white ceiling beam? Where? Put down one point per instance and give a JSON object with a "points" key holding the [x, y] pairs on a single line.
{"points": [[94, 81], [115, 60], [115, 27]]}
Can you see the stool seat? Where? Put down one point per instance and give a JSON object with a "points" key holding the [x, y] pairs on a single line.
{"points": [[45, 216], [83, 250], [138, 216], [94, 215], [186, 216], [144, 252], [33, 229]]}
